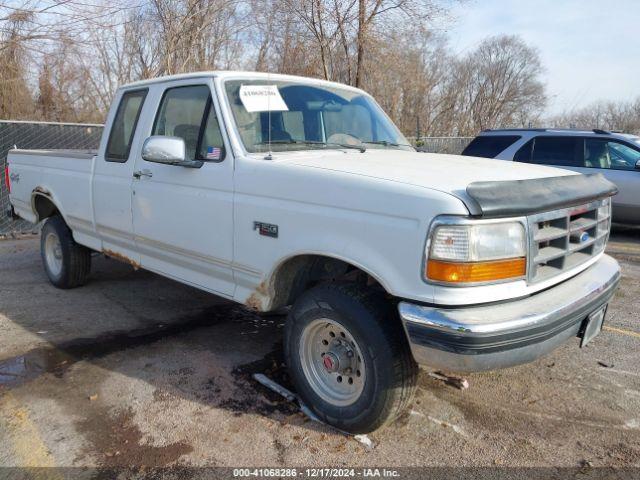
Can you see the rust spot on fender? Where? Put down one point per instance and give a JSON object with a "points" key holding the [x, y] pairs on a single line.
{"points": [[254, 302], [122, 258], [263, 288], [256, 299]]}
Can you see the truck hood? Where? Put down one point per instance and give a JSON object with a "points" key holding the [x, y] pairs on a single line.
{"points": [[447, 173]]}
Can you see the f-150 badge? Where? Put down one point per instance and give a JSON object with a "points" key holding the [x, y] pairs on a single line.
{"points": [[266, 229]]}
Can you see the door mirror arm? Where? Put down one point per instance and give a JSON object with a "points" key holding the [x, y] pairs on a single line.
{"points": [[189, 163]]}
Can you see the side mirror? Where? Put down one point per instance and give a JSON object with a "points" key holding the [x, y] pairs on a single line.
{"points": [[167, 150]]}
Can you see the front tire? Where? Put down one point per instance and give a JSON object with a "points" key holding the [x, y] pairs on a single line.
{"points": [[348, 357], [66, 263]]}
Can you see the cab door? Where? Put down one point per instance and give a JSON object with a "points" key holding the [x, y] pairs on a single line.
{"points": [[183, 217]]}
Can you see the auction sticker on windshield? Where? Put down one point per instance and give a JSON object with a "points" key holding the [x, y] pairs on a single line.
{"points": [[262, 98]]}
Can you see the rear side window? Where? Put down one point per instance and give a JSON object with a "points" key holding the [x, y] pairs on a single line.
{"points": [[558, 151], [124, 126], [490, 145]]}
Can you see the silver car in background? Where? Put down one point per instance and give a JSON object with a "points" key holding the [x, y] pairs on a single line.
{"points": [[615, 155]]}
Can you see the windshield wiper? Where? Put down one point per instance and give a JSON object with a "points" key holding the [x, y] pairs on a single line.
{"points": [[362, 148], [386, 143]]}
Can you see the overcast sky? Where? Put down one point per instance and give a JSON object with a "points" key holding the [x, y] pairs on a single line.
{"points": [[589, 48]]}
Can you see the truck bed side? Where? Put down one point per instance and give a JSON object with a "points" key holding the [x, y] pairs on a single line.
{"points": [[62, 176]]}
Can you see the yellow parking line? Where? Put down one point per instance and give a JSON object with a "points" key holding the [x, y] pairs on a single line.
{"points": [[621, 331], [26, 442]]}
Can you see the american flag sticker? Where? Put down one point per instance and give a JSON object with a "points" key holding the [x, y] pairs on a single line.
{"points": [[213, 153]]}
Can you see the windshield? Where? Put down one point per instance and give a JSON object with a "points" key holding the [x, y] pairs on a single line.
{"points": [[311, 117]]}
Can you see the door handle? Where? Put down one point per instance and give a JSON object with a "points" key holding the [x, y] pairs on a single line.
{"points": [[142, 173]]}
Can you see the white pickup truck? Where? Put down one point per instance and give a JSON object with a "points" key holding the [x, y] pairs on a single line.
{"points": [[276, 190]]}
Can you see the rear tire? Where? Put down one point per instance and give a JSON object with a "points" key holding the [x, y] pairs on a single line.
{"points": [[348, 357], [66, 263]]}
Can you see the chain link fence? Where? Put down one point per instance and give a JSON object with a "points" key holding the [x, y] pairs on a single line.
{"points": [[38, 135], [451, 145]]}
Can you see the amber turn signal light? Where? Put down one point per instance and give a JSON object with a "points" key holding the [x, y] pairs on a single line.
{"points": [[473, 272]]}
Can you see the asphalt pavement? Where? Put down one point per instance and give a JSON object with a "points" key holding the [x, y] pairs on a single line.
{"points": [[137, 370]]}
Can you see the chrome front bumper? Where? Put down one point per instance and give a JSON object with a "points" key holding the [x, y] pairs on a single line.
{"points": [[500, 335]]}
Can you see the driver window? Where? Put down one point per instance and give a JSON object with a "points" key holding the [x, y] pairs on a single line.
{"points": [[181, 114]]}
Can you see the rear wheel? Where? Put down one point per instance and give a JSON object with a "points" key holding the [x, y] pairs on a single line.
{"points": [[348, 357], [66, 263]]}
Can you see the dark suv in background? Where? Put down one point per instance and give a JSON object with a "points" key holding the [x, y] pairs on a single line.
{"points": [[615, 155]]}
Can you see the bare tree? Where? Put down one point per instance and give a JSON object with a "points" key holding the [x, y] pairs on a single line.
{"points": [[194, 34], [379, 14], [16, 100], [621, 116], [499, 85], [314, 16], [64, 60]]}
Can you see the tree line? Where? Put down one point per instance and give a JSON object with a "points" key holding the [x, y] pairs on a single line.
{"points": [[63, 60]]}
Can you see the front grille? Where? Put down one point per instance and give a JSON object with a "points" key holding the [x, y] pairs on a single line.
{"points": [[564, 239]]}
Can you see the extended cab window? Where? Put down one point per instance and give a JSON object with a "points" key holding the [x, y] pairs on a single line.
{"points": [[489, 146], [124, 126], [188, 113]]}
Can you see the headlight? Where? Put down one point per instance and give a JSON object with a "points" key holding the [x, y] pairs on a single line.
{"points": [[474, 253]]}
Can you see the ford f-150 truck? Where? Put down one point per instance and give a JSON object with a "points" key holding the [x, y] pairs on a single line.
{"points": [[279, 191]]}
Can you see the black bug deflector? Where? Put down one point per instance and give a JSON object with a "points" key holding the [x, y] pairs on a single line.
{"points": [[523, 197]]}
